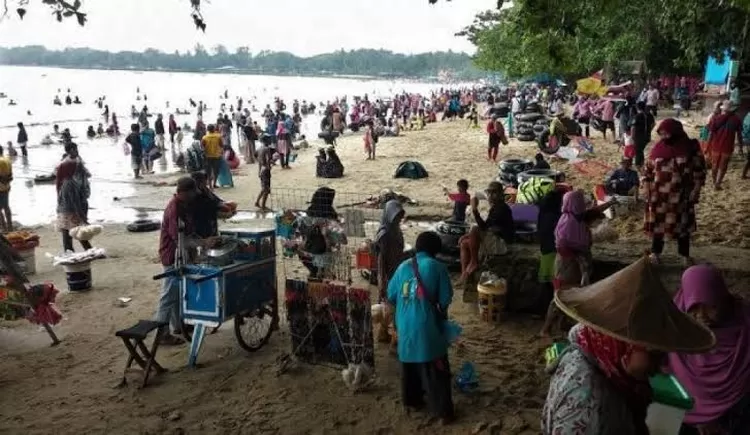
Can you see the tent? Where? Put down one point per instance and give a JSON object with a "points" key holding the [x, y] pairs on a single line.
{"points": [[410, 169]]}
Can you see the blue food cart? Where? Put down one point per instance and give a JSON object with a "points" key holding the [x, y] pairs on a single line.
{"points": [[243, 289]]}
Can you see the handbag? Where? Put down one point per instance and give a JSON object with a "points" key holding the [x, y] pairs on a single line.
{"points": [[422, 292]]}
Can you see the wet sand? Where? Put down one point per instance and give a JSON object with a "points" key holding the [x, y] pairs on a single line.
{"points": [[70, 387]]}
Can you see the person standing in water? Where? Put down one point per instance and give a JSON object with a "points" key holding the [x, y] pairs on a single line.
{"points": [[23, 139], [159, 128], [136, 150], [172, 129]]}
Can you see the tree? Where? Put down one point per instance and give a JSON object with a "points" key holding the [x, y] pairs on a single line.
{"points": [[62, 9], [579, 36]]}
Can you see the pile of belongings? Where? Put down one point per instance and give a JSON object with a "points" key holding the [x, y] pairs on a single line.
{"points": [[22, 240], [70, 258]]}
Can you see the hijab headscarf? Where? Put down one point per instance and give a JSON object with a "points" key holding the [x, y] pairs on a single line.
{"points": [[393, 209], [321, 204], [571, 231], [609, 354], [677, 145], [718, 379]]}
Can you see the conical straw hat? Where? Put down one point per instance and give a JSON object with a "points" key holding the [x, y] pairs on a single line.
{"points": [[633, 306]]}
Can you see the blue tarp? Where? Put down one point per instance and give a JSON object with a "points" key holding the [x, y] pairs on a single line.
{"points": [[717, 73]]}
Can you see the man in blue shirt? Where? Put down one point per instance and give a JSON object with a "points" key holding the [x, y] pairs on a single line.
{"points": [[624, 181], [421, 292]]}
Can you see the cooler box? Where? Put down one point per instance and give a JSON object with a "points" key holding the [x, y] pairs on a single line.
{"points": [[671, 402]]}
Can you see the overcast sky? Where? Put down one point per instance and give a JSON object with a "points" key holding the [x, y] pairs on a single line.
{"points": [[303, 27]]}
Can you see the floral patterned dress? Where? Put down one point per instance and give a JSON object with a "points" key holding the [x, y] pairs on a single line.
{"points": [[581, 400]]}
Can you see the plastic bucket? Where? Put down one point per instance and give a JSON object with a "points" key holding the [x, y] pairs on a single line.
{"points": [[29, 260], [491, 302], [78, 276]]}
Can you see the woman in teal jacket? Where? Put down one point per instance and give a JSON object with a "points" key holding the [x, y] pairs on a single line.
{"points": [[421, 292]]}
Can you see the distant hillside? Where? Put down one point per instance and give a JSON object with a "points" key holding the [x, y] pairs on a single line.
{"points": [[363, 62]]}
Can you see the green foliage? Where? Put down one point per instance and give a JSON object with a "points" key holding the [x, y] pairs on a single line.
{"points": [[358, 62], [577, 37]]}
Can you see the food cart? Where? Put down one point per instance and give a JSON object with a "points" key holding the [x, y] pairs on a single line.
{"points": [[234, 280]]}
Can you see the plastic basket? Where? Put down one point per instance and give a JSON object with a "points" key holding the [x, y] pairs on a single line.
{"points": [[365, 260]]}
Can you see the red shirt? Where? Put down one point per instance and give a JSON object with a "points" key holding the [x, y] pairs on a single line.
{"points": [[725, 130], [169, 232], [491, 127]]}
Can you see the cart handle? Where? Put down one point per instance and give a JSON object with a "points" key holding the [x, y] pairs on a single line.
{"points": [[165, 274]]}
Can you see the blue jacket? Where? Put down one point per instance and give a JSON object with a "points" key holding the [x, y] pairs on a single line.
{"points": [[420, 328]]}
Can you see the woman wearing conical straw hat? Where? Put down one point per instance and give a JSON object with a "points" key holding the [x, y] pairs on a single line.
{"points": [[627, 325]]}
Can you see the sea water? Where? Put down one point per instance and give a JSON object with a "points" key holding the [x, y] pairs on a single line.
{"points": [[34, 88]]}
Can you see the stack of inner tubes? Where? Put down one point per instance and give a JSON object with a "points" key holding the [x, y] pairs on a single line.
{"points": [[450, 232], [525, 123], [509, 170]]}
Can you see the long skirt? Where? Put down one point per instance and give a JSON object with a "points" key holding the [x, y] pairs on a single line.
{"points": [[428, 384], [224, 178]]}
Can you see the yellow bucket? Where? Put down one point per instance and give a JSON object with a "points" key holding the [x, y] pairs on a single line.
{"points": [[491, 301]]}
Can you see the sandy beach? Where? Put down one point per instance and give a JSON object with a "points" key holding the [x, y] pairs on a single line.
{"points": [[70, 388]]}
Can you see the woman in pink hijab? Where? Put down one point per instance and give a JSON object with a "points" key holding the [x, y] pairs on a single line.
{"points": [[719, 380]]}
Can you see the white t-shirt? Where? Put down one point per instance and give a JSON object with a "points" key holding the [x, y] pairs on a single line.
{"points": [[652, 97], [515, 106]]}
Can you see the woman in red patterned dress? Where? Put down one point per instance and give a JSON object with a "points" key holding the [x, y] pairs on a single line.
{"points": [[672, 179]]}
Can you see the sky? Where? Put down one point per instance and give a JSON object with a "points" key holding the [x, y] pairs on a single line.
{"points": [[303, 27]]}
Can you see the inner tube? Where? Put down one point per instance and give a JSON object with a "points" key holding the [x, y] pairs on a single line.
{"points": [[526, 137], [529, 117], [41, 179], [552, 174], [143, 225], [328, 134], [515, 166]]}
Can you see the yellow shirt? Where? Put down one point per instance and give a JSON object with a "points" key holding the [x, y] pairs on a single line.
{"points": [[213, 145], [6, 174]]}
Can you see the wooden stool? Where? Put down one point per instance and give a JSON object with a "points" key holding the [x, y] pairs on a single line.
{"points": [[133, 338]]}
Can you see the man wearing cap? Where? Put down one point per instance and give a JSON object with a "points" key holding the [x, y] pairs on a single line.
{"points": [[725, 130], [178, 211]]}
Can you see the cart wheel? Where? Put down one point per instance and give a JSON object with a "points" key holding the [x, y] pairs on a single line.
{"points": [[253, 329]]}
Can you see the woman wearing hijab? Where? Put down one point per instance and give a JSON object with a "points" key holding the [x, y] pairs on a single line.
{"points": [[499, 222], [389, 243], [672, 179], [224, 177], [73, 193], [628, 323], [572, 267], [421, 293], [719, 381], [321, 204]]}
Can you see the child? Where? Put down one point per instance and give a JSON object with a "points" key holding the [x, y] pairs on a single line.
{"points": [[179, 137], [370, 141], [460, 200], [11, 151], [265, 186], [302, 143]]}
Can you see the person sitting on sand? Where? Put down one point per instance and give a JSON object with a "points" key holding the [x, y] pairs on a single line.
{"points": [[539, 162], [100, 130], [499, 222], [719, 381], [623, 181], [628, 324]]}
